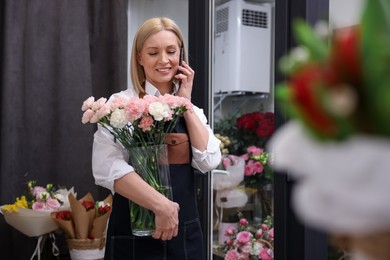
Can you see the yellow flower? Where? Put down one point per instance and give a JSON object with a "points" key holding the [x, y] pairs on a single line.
{"points": [[22, 202], [19, 203], [10, 208]]}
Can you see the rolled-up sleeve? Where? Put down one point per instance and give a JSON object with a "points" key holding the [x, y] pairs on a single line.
{"points": [[210, 158], [109, 159]]}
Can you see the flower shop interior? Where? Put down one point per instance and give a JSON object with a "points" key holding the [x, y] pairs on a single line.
{"points": [[55, 54]]}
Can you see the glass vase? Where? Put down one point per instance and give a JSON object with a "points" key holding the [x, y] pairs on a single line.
{"points": [[151, 163]]}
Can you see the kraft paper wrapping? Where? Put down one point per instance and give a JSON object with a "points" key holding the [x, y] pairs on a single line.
{"points": [[66, 225], [81, 217], [100, 223]]}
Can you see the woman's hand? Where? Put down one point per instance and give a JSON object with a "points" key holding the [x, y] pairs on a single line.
{"points": [[187, 78], [167, 221]]}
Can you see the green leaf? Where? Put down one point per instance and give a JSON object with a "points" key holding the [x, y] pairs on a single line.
{"points": [[375, 26], [307, 37]]}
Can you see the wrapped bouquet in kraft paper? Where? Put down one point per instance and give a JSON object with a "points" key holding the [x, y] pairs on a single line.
{"points": [[85, 225]]}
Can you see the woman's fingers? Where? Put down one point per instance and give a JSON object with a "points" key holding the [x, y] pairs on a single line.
{"points": [[167, 223]]}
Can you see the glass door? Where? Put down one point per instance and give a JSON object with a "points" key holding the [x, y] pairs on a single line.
{"points": [[242, 200]]}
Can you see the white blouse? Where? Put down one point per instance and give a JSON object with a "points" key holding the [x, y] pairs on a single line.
{"points": [[110, 159]]}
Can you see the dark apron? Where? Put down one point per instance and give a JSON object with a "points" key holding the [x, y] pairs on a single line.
{"points": [[188, 244]]}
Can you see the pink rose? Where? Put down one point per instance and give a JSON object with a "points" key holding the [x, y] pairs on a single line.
{"points": [[230, 230], [52, 204], [259, 233], [254, 150], [266, 254], [39, 206], [232, 255], [229, 242], [271, 233], [246, 250], [244, 222], [253, 167], [244, 237]]}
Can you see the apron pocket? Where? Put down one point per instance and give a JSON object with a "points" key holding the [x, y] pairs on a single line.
{"points": [[193, 240]]}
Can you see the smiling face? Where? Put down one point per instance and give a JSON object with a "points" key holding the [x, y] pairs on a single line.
{"points": [[159, 57]]}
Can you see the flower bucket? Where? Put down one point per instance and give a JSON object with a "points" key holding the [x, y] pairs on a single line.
{"points": [[151, 163], [86, 249]]}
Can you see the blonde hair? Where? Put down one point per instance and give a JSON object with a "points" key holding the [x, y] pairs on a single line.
{"points": [[147, 29]]}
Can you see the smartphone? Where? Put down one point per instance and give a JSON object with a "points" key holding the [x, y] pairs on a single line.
{"points": [[181, 56]]}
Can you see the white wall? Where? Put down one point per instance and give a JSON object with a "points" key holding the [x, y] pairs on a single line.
{"points": [[343, 13], [139, 11]]}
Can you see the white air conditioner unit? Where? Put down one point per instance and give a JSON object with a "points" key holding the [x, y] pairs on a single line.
{"points": [[242, 61]]}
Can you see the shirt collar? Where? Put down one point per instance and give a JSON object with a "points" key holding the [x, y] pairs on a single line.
{"points": [[152, 90]]}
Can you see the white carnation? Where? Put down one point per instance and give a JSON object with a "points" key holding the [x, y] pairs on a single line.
{"points": [[159, 110], [118, 118]]}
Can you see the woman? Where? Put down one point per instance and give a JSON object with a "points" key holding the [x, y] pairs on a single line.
{"points": [[155, 70]]}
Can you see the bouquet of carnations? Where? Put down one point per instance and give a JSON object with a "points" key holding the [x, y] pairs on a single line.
{"points": [[141, 126], [337, 144], [136, 121], [30, 214], [84, 225]]}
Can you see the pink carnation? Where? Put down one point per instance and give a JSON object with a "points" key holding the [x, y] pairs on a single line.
{"points": [[173, 101], [95, 118], [146, 123], [118, 103], [148, 99], [135, 108], [87, 116], [87, 104], [98, 103], [103, 111]]}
